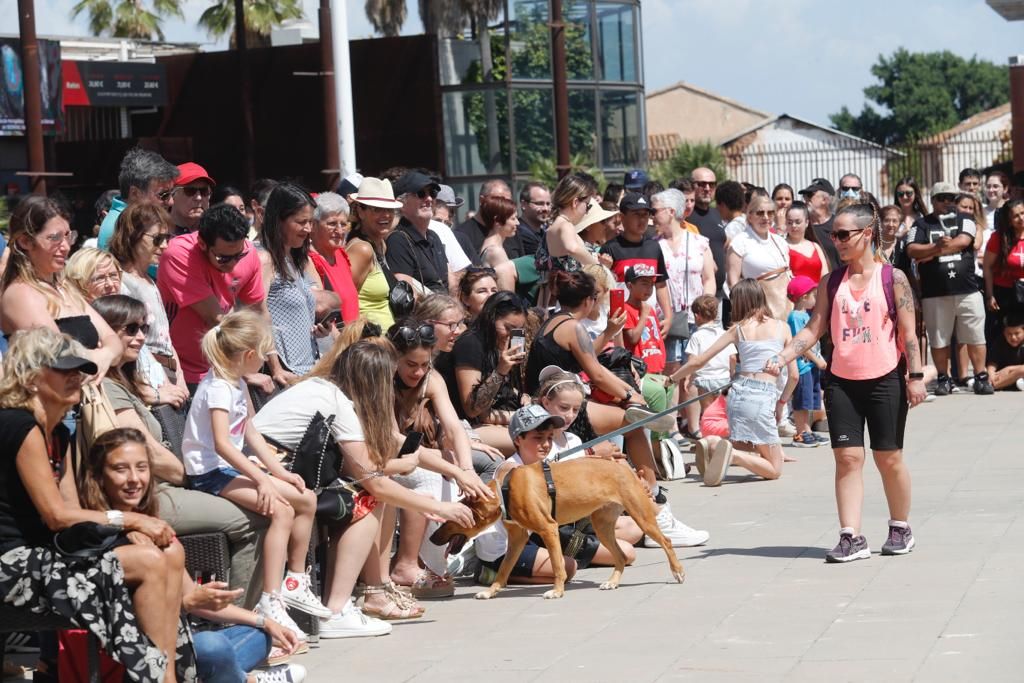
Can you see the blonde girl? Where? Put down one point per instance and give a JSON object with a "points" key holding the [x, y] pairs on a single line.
{"points": [[219, 425]]}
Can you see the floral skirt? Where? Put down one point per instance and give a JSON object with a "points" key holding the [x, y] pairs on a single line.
{"points": [[92, 594]]}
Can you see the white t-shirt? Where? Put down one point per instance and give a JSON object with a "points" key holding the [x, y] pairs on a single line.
{"points": [[457, 259], [760, 256], [735, 227], [570, 441], [286, 416], [197, 446], [716, 369]]}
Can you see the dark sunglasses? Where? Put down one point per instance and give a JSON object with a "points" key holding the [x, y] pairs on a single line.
{"points": [[705, 183], [191, 191], [165, 195], [159, 239], [764, 213], [845, 235], [430, 191], [134, 328], [850, 188], [905, 193], [226, 259], [404, 337]]}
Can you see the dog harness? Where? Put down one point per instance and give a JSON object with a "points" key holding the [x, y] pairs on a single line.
{"points": [[546, 467]]}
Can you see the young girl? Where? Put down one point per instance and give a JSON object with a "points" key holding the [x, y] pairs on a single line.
{"points": [[219, 424], [754, 401]]}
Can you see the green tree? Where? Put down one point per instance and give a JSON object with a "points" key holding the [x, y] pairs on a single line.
{"points": [[261, 17], [544, 169], [688, 156], [920, 94], [127, 18]]}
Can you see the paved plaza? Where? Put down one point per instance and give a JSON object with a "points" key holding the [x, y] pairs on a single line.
{"points": [[759, 603]]}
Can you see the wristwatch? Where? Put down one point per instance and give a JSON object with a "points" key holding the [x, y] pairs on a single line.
{"points": [[115, 518], [916, 375], [261, 621]]}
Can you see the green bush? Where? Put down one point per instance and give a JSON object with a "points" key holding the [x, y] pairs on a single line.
{"points": [[688, 156]]}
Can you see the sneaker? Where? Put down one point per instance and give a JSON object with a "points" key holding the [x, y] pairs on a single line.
{"points": [[273, 607], [350, 622], [943, 386], [850, 548], [982, 385], [678, 534], [22, 642], [900, 541], [786, 429], [700, 454], [1020, 384], [465, 562], [820, 426], [718, 463], [297, 592], [486, 576], [665, 423], [822, 439], [929, 397], [284, 673], [805, 440]]}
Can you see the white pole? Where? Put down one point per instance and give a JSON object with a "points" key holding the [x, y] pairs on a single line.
{"points": [[343, 88]]}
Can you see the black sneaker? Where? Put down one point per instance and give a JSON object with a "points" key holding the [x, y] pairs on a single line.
{"points": [[943, 386], [982, 385], [900, 541], [850, 548]]}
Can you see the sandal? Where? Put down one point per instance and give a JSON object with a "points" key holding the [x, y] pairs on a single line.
{"points": [[395, 607], [431, 585]]}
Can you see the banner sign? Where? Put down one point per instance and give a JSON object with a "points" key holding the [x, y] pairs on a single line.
{"points": [[114, 84], [12, 92]]}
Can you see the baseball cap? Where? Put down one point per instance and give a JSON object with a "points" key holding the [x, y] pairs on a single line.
{"points": [[190, 172], [634, 273], [942, 187], [447, 195], [819, 184], [530, 418], [349, 184], [634, 201], [414, 181], [799, 286], [635, 179], [68, 359]]}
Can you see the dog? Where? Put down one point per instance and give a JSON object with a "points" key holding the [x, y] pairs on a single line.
{"points": [[585, 486]]}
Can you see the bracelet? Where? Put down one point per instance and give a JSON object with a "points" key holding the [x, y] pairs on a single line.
{"points": [[261, 621], [916, 375]]}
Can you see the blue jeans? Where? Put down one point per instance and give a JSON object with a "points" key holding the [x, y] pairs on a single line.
{"points": [[226, 656]]}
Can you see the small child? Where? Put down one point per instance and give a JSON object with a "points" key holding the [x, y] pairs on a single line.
{"points": [[641, 333], [717, 372], [218, 425], [802, 291], [1006, 355]]}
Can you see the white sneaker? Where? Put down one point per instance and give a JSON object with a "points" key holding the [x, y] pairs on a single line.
{"points": [[352, 623], [665, 423], [297, 592], [284, 673], [1020, 384], [465, 563], [787, 429], [678, 534], [274, 608]]}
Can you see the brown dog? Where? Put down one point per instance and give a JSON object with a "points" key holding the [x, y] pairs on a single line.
{"points": [[586, 486]]}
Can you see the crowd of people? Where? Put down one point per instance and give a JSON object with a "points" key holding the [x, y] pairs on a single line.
{"points": [[420, 356]]}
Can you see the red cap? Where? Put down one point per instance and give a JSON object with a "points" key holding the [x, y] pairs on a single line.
{"points": [[190, 172]]}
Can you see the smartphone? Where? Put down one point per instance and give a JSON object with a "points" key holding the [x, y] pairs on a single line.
{"points": [[517, 339], [202, 577], [617, 301], [330, 317], [412, 442]]}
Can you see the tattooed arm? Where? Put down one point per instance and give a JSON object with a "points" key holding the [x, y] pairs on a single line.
{"points": [[476, 391], [906, 324]]}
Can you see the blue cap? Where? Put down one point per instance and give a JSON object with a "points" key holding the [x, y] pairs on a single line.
{"points": [[635, 179]]}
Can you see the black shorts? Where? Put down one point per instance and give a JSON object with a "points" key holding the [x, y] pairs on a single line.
{"points": [[524, 565], [881, 403]]}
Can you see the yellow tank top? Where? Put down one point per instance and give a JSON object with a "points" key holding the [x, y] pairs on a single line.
{"points": [[373, 299]]}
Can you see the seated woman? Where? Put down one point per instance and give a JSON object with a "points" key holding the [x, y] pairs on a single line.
{"points": [[498, 216], [357, 389], [186, 510], [118, 476], [475, 288], [422, 405], [125, 602]]}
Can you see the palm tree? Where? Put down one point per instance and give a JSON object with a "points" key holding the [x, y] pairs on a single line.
{"points": [[261, 17], [127, 18]]}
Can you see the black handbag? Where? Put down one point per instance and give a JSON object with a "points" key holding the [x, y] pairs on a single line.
{"points": [[401, 299], [172, 423], [317, 458], [88, 540]]}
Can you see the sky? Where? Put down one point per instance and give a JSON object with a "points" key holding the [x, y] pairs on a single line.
{"points": [[806, 58]]}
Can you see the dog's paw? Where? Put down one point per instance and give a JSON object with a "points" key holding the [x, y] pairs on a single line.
{"points": [[485, 595], [553, 594], [608, 586], [679, 576]]}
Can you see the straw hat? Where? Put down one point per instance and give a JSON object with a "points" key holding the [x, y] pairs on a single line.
{"points": [[595, 215], [376, 192]]}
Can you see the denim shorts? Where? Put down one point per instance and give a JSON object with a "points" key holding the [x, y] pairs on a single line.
{"points": [[214, 481], [808, 391], [523, 566], [751, 405]]}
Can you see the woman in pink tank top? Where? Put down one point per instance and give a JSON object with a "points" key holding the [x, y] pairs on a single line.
{"points": [[867, 381]]}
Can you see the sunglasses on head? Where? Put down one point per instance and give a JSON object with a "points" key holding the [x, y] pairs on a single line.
{"points": [[404, 337], [486, 270], [134, 328], [845, 235]]}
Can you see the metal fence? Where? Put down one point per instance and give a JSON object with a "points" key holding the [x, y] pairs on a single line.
{"points": [[878, 166]]}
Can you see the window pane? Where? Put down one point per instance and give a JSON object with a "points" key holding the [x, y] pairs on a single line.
{"points": [[534, 116], [616, 42], [476, 127], [530, 39], [458, 61], [579, 60], [582, 128], [620, 129]]}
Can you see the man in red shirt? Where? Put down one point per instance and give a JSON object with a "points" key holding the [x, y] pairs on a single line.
{"points": [[203, 276]]}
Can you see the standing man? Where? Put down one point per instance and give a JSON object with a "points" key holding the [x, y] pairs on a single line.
{"points": [[415, 252], [471, 232], [710, 224], [730, 200], [970, 182], [850, 186], [818, 196], [192, 190], [942, 244], [143, 175], [534, 215]]}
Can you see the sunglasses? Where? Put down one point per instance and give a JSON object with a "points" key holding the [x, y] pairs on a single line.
{"points": [[454, 327], [133, 329], [849, 188], [845, 235], [705, 183], [476, 270], [905, 193], [159, 239], [56, 238], [430, 191], [764, 213], [191, 191], [226, 259], [165, 195], [404, 337]]}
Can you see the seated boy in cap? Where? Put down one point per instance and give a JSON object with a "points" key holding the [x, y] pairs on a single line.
{"points": [[1006, 355], [802, 291]]}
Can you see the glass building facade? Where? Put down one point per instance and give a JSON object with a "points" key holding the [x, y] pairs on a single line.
{"points": [[498, 98]]}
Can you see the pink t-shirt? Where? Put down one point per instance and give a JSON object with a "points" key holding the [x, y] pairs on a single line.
{"points": [[865, 346], [187, 277]]}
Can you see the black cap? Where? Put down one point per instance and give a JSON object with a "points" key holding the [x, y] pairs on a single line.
{"points": [[634, 201], [414, 181], [634, 273], [67, 359], [819, 184]]}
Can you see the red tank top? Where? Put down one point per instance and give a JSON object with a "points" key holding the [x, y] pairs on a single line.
{"points": [[805, 265]]}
